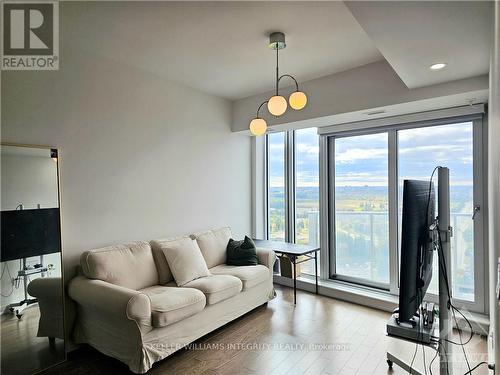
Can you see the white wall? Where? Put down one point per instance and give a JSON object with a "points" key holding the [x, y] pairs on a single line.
{"points": [[140, 157], [28, 180]]}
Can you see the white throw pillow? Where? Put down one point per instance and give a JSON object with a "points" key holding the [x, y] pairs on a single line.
{"points": [[185, 260], [213, 245]]}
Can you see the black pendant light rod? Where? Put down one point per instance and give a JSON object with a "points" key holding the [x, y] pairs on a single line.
{"points": [[277, 70], [260, 106], [294, 80], [278, 77]]}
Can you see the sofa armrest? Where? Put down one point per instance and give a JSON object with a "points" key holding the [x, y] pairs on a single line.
{"points": [[266, 257], [111, 300], [47, 288]]}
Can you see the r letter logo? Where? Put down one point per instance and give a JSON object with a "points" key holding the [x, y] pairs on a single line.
{"points": [[30, 36]]}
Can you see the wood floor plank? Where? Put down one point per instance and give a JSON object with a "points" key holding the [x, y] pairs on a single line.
{"points": [[22, 352], [319, 335]]}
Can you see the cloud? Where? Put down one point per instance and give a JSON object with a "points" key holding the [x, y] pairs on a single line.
{"points": [[427, 149], [363, 160], [353, 155], [362, 179], [307, 148], [442, 132], [308, 178], [276, 146], [277, 181]]}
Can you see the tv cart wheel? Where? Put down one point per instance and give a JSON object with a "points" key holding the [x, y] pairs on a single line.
{"points": [[389, 363]]}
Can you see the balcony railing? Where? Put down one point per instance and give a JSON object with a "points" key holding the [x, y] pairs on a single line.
{"points": [[462, 245]]}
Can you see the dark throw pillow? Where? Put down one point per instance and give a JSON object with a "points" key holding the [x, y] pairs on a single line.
{"points": [[241, 253]]}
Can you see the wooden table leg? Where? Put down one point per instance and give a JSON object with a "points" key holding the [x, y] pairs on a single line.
{"points": [[294, 281]]}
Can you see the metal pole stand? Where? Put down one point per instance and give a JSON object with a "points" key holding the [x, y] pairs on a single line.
{"points": [[445, 324], [19, 307]]}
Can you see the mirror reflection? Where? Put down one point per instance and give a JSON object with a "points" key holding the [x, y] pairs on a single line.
{"points": [[32, 320]]}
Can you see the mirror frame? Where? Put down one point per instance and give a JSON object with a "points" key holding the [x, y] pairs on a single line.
{"points": [[63, 281]]}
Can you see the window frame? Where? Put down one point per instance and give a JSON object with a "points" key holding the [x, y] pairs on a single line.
{"points": [[332, 212], [474, 113], [290, 184], [266, 185], [327, 185]]}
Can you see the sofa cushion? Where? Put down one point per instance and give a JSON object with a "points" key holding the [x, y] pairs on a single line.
{"points": [[185, 260], [249, 275], [128, 265], [213, 245], [217, 287], [164, 273], [169, 305]]}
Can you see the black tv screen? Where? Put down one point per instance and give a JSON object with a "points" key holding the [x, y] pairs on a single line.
{"points": [[28, 233], [416, 246]]}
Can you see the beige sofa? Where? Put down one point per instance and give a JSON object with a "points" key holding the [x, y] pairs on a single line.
{"points": [[130, 307], [48, 292]]}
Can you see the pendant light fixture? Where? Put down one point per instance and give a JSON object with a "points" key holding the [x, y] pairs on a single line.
{"points": [[277, 104]]}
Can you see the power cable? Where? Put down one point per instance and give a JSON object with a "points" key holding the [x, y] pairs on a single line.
{"points": [[6, 266]]}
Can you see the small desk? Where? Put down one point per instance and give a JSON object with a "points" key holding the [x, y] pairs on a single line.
{"points": [[292, 251]]}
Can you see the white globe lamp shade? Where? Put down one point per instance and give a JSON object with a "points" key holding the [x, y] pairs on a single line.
{"points": [[258, 126], [277, 105], [298, 100]]}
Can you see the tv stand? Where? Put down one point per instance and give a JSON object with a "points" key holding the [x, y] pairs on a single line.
{"points": [[395, 357], [19, 307], [444, 326], [415, 331]]}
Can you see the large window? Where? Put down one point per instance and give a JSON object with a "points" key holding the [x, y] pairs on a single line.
{"points": [[364, 172], [307, 191], [367, 168], [276, 194], [419, 151], [293, 189], [361, 207]]}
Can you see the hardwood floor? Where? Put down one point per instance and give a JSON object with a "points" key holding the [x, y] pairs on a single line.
{"points": [[22, 352], [319, 335]]}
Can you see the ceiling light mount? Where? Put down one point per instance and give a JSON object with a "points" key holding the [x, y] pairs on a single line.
{"points": [[277, 104], [277, 40]]}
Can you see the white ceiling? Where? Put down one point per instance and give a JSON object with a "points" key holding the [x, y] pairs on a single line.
{"points": [[413, 35], [220, 47]]}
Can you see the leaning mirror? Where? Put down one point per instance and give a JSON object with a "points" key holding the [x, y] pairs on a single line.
{"points": [[32, 320]]}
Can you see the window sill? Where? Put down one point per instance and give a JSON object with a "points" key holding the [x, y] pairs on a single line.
{"points": [[360, 295], [366, 296]]}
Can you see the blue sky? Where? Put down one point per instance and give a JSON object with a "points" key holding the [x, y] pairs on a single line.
{"points": [[362, 160]]}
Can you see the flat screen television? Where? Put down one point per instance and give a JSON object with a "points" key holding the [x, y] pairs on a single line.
{"points": [[416, 246], [28, 233]]}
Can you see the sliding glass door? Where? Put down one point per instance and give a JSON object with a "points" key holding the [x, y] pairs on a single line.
{"points": [[361, 208], [365, 173]]}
